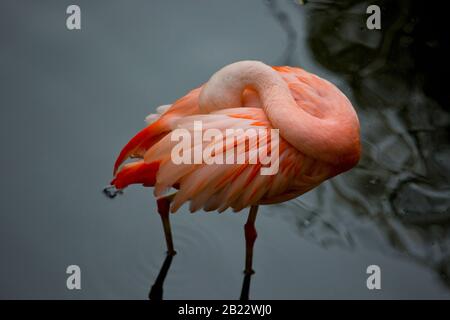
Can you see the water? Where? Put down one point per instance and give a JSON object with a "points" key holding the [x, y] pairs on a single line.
{"points": [[70, 100]]}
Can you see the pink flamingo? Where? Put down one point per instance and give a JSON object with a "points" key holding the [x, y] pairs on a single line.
{"points": [[319, 132]]}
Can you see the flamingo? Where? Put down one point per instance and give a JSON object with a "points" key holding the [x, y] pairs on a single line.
{"points": [[319, 139]]}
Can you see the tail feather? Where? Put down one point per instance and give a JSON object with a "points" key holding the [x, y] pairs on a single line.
{"points": [[142, 141], [137, 172]]}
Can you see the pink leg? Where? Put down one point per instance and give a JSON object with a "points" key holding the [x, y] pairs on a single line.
{"points": [[250, 237], [164, 211]]}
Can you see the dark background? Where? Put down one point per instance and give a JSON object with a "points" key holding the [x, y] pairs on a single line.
{"points": [[71, 99]]}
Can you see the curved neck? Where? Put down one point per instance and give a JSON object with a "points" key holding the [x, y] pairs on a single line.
{"points": [[331, 133]]}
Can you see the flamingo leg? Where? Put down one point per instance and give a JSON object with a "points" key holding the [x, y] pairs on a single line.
{"points": [[164, 211], [250, 237]]}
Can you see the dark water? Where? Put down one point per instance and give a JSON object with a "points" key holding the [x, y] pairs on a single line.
{"points": [[71, 99]]}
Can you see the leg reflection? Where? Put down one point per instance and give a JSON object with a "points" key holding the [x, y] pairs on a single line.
{"points": [[156, 291], [246, 287], [250, 237]]}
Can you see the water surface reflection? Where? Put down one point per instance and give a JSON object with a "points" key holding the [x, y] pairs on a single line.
{"points": [[397, 200]]}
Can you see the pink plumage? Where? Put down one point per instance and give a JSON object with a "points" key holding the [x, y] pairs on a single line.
{"points": [[319, 138]]}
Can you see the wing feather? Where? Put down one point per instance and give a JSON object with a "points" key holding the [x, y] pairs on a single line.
{"points": [[222, 186]]}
